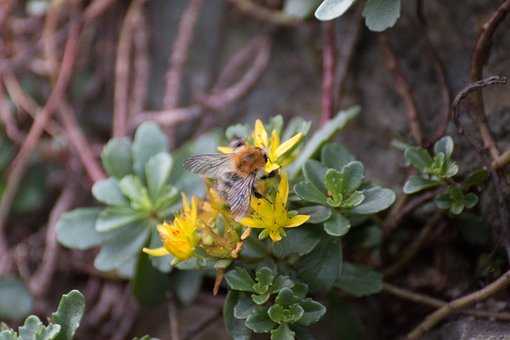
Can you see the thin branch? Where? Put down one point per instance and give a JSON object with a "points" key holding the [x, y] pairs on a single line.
{"points": [[41, 279], [141, 65], [180, 52], [456, 305], [6, 116], [480, 57], [328, 70], [96, 9], [168, 118], [173, 319], [19, 165], [437, 303], [79, 142], [265, 14], [403, 88]]}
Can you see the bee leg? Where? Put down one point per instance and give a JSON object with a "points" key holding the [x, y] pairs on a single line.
{"points": [[270, 175]]}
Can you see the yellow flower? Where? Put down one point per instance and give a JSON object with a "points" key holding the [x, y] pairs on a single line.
{"points": [[275, 150], [273, 217], [179, 238], [211, 207]]}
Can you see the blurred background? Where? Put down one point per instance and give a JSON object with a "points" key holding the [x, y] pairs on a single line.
{"points": [[75, 73]]}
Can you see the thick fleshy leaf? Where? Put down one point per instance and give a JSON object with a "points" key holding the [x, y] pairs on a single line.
{"points": [[418, 157], [331, 9], [157, 173], [187, 285], [322, 135], [381, 14], [376, 199], [315, 173], [244, 307], [234, 326], [353, 174], [285, 314], [443, 201], [149, 284], [15, 300], [239, 279], [69, 313], [117, 158], [77, 228], [337, 225], [470, 200], [116, 217], [317, 213], [309, 192], [335, 184], [296, 125], [259, 320], [162, 263], [359, 280], [321, 267], [313, 312], [31, 328], [107, 191], [298, 241], [283, 332], [444, 145], [118, 250], [336, 156], [133, 188], [299, 8], [417, 183], [149, 141]]}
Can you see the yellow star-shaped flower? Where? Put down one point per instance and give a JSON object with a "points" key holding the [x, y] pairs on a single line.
{"points": [[179, 238], [273, 217]]}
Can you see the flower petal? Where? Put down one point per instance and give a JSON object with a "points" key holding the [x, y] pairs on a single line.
{"points": [[270, 167], [251, 222], [288, 144], [225, 149], [275, 143], [263, 208], [156, 251], [297, 221], [260, 134], [280, 201]]}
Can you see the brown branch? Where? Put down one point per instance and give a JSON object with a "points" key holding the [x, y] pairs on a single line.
{"points": [[19, 165], [41, 279], [439, 67], [480, 57], [328, 70], [414, 247], [501, 161], [6, 116], [437, 303], [79, 142], [173, 319], [218, 101], [180, 52], [168, 118], [455, 305], [110, 293], [403, 88], [96, 9], [122, 68], [141, 66], [265, 14]]}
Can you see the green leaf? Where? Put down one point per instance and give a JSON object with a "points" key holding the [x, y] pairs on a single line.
{"points": [[476, 178], [283, 332], [260, 299], [444, 145], [417, 183], [116, 217], [149, 141], [456, 208], [244, 307], [313, 312], [296, 125], [187, 285], [50, 332], [235, 327], [116, 157], [331, 9], [353, 200], [157, 172], [117, 251], [285, 314], [69, 313], [162, 263], [317, 213], [337, 225], [239, 279], [335, 183], [451, 169], [470, 200], [315, 173], [31, 328], [264, 276], [149, 284], [309, 192], [286, 297], [299, 8], [15, 300], [259, 320], [376, 199], [381, 14], [323, 134], [359, 280], [336, 156], [299, 241], [107, 191], [8, 335], [353, 174], [418, 157], [443, 201], [133, 188], [77, 228], [321, 267]]}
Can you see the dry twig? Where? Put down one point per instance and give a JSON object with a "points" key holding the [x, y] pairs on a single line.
{"points": [[265, 14], [328, 70]]}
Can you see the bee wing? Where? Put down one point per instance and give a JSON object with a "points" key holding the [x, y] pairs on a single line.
{"points": [[209, 164], [238, 196]]}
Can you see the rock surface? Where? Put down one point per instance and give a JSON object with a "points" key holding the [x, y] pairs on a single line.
{"points": [[471, 329]]}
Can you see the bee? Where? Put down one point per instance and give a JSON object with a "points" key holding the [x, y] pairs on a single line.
{"points": [[235, 173]]}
